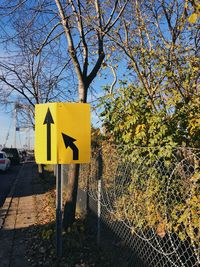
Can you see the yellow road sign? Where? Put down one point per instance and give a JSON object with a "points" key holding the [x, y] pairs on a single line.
{"points": [[62, 133]]}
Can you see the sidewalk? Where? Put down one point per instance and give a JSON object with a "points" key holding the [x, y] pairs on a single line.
{"points": [[19, 213]]}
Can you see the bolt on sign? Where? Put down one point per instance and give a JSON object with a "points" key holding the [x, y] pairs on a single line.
{"points": [[62, 133]]}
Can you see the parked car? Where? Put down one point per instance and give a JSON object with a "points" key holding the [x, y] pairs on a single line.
{"points": [[12, 154], [22, 154], [4, 161], [30, 155]]}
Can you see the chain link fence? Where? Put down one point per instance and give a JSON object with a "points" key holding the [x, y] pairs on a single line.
{"points": [[149, 198]]}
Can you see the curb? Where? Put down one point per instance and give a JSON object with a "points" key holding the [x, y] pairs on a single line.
{"points": [[8, 201]]}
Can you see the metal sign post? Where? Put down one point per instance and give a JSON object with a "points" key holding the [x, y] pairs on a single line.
{"points": [[59, 211], [62, 136]]}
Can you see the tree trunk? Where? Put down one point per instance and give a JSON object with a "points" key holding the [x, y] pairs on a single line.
{"points": [[41, 170], [72, 187], [73, 176]]}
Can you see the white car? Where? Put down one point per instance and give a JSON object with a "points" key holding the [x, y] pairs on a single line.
{"points": [[4, 161]]}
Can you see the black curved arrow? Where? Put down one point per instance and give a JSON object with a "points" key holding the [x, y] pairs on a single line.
{"points": [[48, 121], [69, 142]]}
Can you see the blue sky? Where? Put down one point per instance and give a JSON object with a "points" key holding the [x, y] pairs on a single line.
{"points": [[21, 137]]}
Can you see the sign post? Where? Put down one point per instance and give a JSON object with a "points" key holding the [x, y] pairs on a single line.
{"points": [[62, 136], [59, 182]]}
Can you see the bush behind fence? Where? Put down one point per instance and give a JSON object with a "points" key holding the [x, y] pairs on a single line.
{"points": [[149, 197]]}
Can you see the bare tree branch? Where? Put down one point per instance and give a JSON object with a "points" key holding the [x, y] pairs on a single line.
{"points": [[45, 42]]}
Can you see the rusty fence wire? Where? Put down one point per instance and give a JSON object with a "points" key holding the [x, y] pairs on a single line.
{"points": [[150, 198]]}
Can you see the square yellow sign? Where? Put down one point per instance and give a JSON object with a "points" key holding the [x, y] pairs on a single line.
{"points": [[62, 133]]}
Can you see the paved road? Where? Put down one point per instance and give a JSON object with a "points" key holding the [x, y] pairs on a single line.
{"points": [[6, 180]]}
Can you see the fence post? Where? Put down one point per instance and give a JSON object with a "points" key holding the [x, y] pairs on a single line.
{"points": [[99, 212], [99, 177]]}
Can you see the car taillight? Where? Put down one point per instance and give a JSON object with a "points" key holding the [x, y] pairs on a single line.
{"points": [[2, 161]]}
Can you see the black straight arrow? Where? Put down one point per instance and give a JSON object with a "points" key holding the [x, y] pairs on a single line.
{"points": [[48, 121], [69, 142]]}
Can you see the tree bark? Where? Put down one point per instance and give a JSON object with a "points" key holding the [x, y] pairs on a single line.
{"points": [[70, 204]]}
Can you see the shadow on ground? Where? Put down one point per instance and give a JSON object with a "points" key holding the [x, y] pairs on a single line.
{"points": [[40, 185], [79, 248]]}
